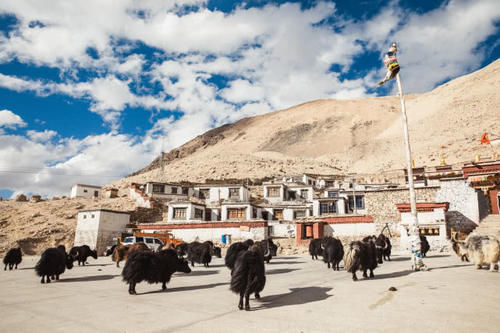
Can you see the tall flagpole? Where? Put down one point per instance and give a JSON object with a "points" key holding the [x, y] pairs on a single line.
{"points": [[413, 232]]}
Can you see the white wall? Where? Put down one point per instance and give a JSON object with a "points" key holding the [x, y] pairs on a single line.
{"points": [[84, 191], [282, 229], [217, 193], [297, 190], [462, 198], [190, 211], [140, 200], [349, 229], [97, 228], [275, 199], [215, 234]]}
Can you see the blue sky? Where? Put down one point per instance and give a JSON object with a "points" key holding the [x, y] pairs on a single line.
{"points": [[93, 91]]}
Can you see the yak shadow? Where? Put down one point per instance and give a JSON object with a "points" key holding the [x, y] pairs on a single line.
{"points": [[389, 275], [217, 266], [281, 271], [89, 278], [24, 268], [198, 273], [286, 258], [438, 256], [93, 265], [399, 259], [187, 288], [450, 266], [296, 296], [284, 263]]}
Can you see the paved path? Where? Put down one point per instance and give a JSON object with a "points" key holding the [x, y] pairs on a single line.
{"points": [[300, 296]]}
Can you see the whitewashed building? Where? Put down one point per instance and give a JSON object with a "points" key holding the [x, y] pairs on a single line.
{"points": [[167, 191], [97, 227], [85, 191], [186, 211]]}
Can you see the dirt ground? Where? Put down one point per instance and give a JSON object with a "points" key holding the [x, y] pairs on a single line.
{"points": [[301, 295]]}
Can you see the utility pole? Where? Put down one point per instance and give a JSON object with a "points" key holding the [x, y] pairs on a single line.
{"points": [[413, 232]]}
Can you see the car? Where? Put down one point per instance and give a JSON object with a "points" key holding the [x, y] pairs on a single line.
{"points": [[152, 242]]}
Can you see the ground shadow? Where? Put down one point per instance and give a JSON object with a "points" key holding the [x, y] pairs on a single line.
{"points": [[23, 268], [89, 278], [390, 275], [187, 288], [281, 271], [217, 266], [199, 273], [285, 262], [438, 256], [286, 258], [450, 266], [400, 259], [93, 265], [296, 296]]}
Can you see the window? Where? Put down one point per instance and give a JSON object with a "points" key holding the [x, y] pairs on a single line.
{"points": [[304, 194], [139, 239], [265, 215], [180, 213], [329, 183], [158, 188], [198, 213], [291, 195], [149, 240], [360, 202], [157, 241], [327, 208], [332, 194], [185, 190], [254, 213], [236, 213], [208, 214], [85, 191], [84, 216], [273, 192], [204, 193], [92, 216], [278, 214], [234, 193], [174, 190], [96, 194], [299, 213], [429, 231]]}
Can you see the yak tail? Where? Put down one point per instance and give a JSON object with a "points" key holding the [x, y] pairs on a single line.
{"points": [[350, 259]]}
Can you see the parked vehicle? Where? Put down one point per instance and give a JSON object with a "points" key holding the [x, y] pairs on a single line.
{"points": [[152, 242]]}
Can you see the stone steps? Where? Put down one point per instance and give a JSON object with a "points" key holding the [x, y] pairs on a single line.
{"points": [[489, 225]]}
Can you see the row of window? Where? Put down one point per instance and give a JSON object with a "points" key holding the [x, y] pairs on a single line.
{"points": [[159, 188], [274, 192], [234, 193]]}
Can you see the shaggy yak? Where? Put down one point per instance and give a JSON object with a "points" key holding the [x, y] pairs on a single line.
{"points": [[153, 267], [200, 253], [361, 256], [81, 253], [424, 245], [482, 250], [122, 252], [248, 275], [110, 250], [315, 249], [13, 257], [53, 263], [268, 248], [234, 250], [333, 252], [383, 246]]}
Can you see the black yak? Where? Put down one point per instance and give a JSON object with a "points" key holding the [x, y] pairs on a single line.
{"points": [[234, 250], [360, 256], [53, 263], [424, 245], [110, 250], [200, 253], [153, 267], [248, 275], [182, 249], [81, 253], [384, 246], [315, 249], [268, 248], [13, 257], [121, 252], [333, 252], [481, 249]]}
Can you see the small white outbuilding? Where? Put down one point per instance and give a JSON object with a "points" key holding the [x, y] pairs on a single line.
{"points": [[85, 191]]}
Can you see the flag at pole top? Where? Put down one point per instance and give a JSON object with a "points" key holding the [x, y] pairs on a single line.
{"points": [[484, 139], [391, 62]]}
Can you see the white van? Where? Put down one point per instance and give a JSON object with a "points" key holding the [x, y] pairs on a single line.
{"points": [[152, 242]]}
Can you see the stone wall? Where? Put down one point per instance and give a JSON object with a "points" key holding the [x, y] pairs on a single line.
{"points": [[381, 205]]}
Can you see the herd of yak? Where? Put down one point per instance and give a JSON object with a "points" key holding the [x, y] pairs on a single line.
{"points": [[246, 260]]}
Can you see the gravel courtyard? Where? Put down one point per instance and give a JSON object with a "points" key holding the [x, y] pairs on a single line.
{"points": [[301, 295]]}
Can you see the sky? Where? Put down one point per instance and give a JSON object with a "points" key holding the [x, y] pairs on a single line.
{"points": [[92, 90]]}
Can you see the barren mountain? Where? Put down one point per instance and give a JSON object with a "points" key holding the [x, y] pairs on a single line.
{"points": [[343, 136]]}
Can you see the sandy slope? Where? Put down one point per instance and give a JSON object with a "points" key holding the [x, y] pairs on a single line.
{"points": [[331, 136]]}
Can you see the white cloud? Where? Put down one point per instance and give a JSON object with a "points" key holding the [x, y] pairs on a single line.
{"points": [[44, 136], [10, 120]]}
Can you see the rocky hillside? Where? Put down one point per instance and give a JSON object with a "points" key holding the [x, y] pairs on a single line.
{"points": [[331, 136]]}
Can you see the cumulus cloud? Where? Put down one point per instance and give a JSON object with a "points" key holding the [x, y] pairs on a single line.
{"points": [[9, 119], [210, 68]]}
